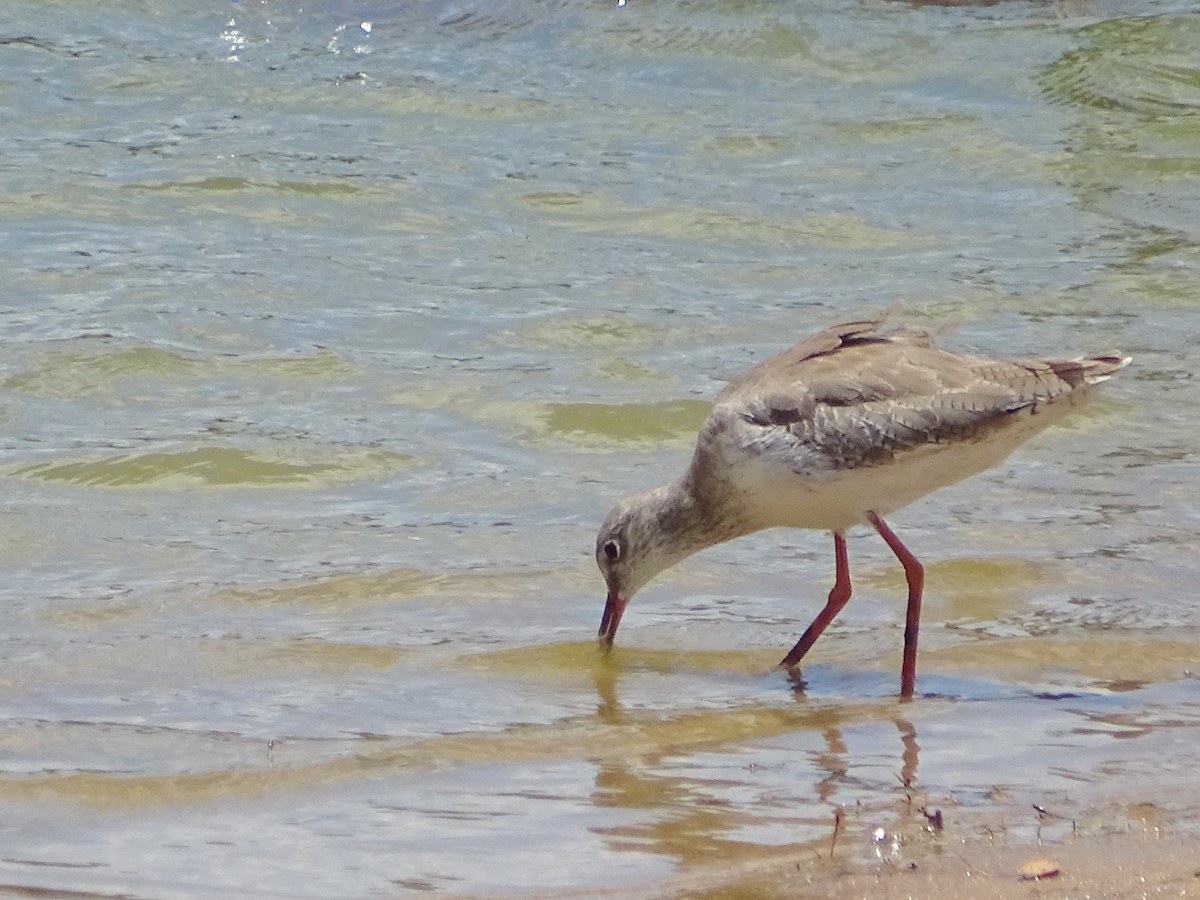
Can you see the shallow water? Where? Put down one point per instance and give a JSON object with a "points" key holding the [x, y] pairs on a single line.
{"points": [[331, 333]]}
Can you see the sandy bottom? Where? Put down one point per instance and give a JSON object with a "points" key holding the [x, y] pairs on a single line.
{"points": [[1097, 867], [1131, 849], [1108, 866]]}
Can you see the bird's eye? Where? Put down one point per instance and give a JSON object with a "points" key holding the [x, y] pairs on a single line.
{"points": [[612, 550]]}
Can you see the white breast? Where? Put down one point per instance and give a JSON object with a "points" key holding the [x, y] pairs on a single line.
{"points": [[775, 484]]}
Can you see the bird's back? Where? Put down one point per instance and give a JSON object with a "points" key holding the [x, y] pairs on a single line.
{"points": [[853, 411]]}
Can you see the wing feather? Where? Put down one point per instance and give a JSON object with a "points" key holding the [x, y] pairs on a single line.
{"points": [[853, 395]]}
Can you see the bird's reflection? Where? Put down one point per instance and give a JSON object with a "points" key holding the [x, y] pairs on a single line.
{"points": [[696, 781], [604, 676], [910, 756]]}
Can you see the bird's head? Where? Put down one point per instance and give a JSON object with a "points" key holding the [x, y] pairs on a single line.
{"points": [[643, 535]]}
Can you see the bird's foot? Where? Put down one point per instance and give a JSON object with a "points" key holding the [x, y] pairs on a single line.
{"points": [[796, 678]]}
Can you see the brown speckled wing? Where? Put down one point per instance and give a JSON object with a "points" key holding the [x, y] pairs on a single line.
{"points": [[851, 396]]}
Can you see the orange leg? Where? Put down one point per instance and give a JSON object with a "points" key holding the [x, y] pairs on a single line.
{"points": [[914, 572], [837, 599]]}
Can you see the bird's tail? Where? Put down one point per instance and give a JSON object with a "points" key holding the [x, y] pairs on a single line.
{"points": [[1088, 370]]}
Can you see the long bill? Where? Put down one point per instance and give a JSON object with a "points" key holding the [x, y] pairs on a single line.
{"points": [[614, 608]]}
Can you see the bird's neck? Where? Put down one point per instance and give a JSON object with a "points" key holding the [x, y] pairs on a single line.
{"points": [[687, 512]]}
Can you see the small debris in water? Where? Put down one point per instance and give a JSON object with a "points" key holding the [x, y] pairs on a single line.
{"points": [[837, 826], [1037, 869], [934, 819], [878, 837]]}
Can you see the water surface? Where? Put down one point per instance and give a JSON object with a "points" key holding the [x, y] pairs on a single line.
{"points": [[330, 334]]}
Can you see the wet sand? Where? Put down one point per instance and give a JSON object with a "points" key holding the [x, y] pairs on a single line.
{"points": [[1104, 866], [1133, 849]]}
